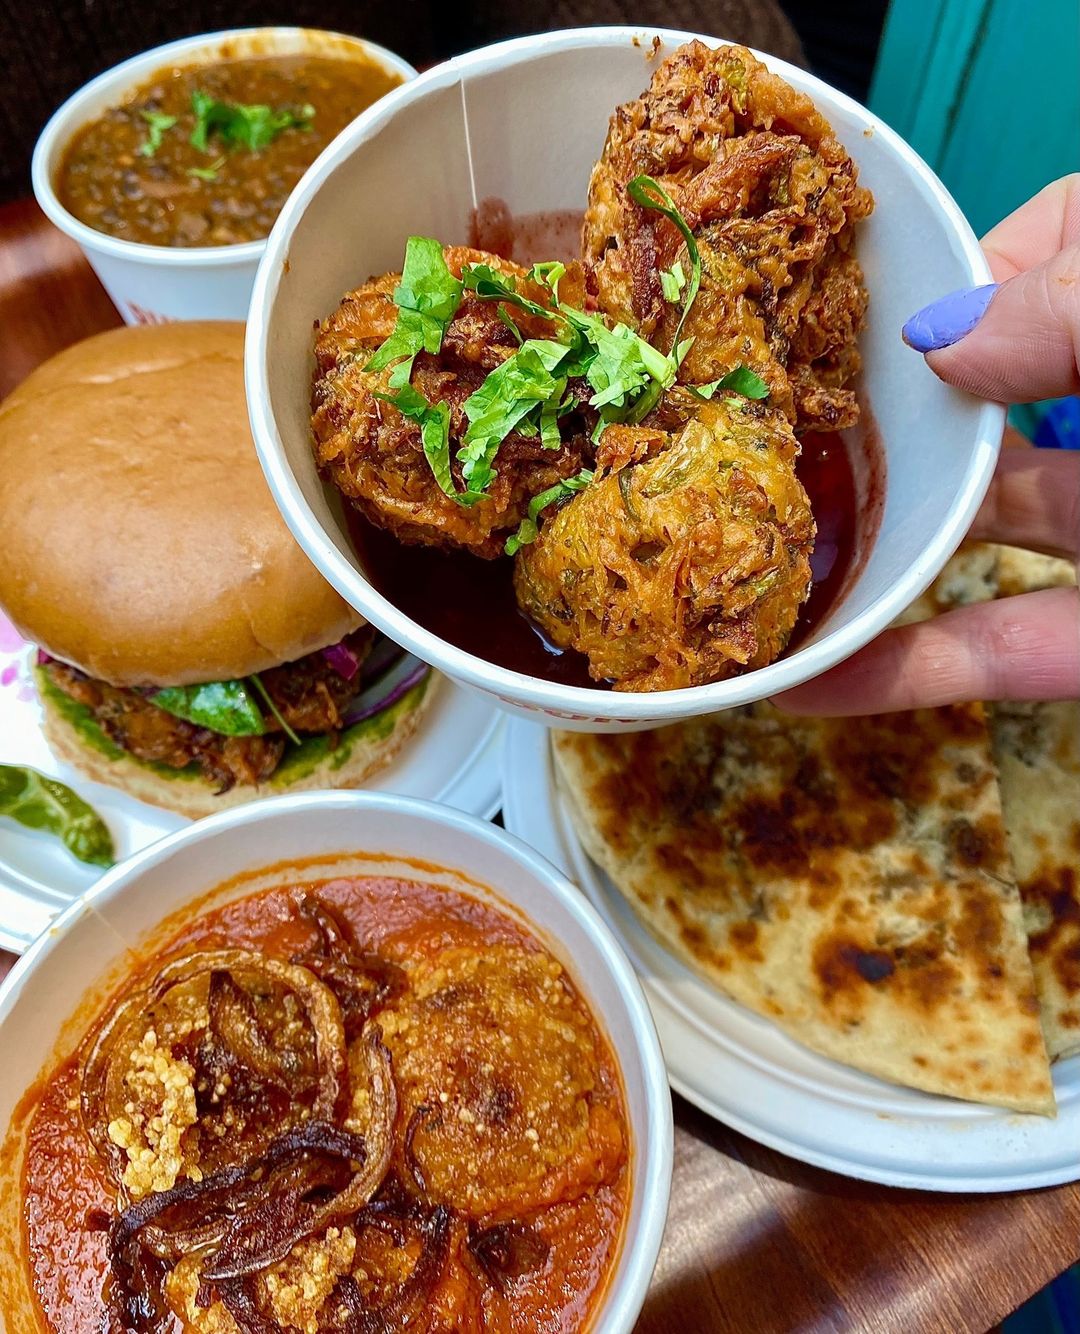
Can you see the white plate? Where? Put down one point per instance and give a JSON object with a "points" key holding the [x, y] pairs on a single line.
{"points": [[745, 1072], [452, 758]]}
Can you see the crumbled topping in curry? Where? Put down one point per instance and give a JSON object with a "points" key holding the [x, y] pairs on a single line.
{"points": [[161, 1109], [299, 1286]]}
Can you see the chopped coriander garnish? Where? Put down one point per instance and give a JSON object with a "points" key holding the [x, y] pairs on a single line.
{"points": [[672, 282], [549, 273], [427, 298], [742, 380], [236, 125], [550, 412], [627, 374], [207, 173], [505, 316], [527, 530], [527, 393], [487, 283], [512, 390], [648, 193], [157, 123], [617, 363], [434, 422], [623, 362], [427, 285]]}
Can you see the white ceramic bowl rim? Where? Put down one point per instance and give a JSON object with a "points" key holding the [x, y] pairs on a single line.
{"points": [[656, 1151], [804, 663], [126, 77]]}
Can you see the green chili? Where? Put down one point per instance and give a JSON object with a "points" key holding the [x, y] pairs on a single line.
{"points": [[43, 803]]}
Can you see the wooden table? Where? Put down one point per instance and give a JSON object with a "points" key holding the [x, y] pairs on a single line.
{"points": [[756, 1243]]}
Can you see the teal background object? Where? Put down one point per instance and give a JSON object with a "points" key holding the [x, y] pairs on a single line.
{"points": [[988, 92]]}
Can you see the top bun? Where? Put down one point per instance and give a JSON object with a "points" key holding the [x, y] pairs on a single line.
{"points": [[140, 541]]}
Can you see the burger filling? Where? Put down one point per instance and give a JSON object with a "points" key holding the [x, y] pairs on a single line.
{"points": [[308, 697]]}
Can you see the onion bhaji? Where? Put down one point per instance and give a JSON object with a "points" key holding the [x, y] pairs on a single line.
{"points": [[771, 197], [687, 558], [375, 455]]}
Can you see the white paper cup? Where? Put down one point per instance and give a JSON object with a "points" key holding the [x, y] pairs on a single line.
{"points": [[534, 113], [86, 954], [152, 284]]}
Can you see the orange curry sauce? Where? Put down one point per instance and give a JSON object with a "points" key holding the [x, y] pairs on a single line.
{"points": [[69, 1201]]}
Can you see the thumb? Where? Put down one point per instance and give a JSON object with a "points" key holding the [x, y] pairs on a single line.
{"points": [[1014, 342]]}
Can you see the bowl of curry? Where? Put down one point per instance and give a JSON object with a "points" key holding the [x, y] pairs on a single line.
{"points": [[170, 169], [258, 1080]]}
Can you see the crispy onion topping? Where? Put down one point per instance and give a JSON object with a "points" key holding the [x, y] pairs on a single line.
{"points": [[246, 1217], [249, 1216], [291, 1208], [421, 1115], [235, 1025], [240, 1299], [270, 1231], [361, 981], [408, 1302], [234, 1038], [507, 1251], [347, 1311]]}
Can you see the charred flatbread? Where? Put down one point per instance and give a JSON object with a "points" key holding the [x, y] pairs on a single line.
{"points": [[847, 879], [1037, 749], [1037, 745], [982, 571]]}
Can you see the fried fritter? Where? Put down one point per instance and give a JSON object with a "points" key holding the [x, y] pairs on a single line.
{"points": [[134, 723], [686, 560], [501, 1094], [309, 695], [771, 197], [375, 456]]}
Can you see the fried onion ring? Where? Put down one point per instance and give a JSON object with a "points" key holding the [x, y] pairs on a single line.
{"points": [[102, 1088]]}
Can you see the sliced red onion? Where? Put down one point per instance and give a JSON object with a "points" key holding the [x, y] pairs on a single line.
{"points": [[343, 660], [384, 655], [43, 658], [385, 693]]}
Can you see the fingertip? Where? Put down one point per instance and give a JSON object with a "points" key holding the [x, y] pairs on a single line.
{"points": [[1019, 648], [948, 319], [1023, 346], [862, 684]]}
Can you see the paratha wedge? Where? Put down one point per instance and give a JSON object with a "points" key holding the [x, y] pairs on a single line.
{"points": [[1037, 749], [982, 571], [847, 879]]}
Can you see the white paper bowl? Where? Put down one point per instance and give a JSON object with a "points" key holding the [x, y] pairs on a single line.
{"points": [[537, 112], [86, 953], [150, 284]]}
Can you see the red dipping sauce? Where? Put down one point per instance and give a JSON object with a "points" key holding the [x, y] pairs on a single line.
{"points": [[470, 602]]}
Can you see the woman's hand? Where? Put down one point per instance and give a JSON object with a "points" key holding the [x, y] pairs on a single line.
{"points": [[1015, 341]]}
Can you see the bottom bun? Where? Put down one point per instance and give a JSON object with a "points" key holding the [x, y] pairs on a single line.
{"points": [[361, 751]]}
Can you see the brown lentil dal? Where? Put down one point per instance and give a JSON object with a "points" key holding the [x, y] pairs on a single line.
{"points": [[106, 182]]}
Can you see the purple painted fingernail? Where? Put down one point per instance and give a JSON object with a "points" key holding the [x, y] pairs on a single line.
{"points": [[946, 320]]}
